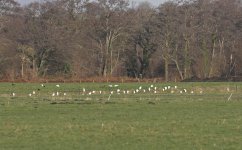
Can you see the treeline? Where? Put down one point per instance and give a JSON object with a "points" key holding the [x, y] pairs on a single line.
{"points": [[111, 38]]}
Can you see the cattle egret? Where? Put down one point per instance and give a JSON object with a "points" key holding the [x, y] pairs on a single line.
{"points": [[111, 92], [180, 92], [100, 92], [165, 88], [192, 92], [42, 85], [149, 89], [118, 90], [110, 85], [84, 90], [53, 94], [116, 85], [175, 87], [172, 92], [30, 94], [93, 92], [124, 92], [64, 94], [127, 92], [137, 90], [228, 89], [169, 87], [57, 93], [152, 86], [155, 92], [155, 88], [185, 90], [140, 87], [144, 91], [57, 85], [33, 92]]}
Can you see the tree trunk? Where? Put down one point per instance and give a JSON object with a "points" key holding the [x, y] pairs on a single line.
{"points": [[212, 61], [166, 70], [34, 71], [187, 59], [22, 69], [178, 68]]}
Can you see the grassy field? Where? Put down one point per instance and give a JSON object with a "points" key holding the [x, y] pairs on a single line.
{"points": [[191, 116]]}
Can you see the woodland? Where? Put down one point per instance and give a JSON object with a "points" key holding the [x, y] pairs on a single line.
{"points": [[73, 39]]}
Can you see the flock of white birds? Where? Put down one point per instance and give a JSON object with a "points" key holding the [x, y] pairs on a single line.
{"points": [[114, 89]]}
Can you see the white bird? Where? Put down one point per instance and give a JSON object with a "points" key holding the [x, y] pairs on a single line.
{"points": [[149, 89], [128, 92], [180, 92], [90, 93], [13, 94], [185, 90], [42, 85], [64, 94], [175, 87], [192, 92], [134, 92], [93, 92], [124, 92], [30, 94], [228, 89], [169, 87], [57, 85], [165, 88], [57, 93], [201, 92], [53, 94], [172, 91], [137, 90], [33, 92], [118, 90], [110, 85], [152, 86], [155, 92], [140, 87], [155, 88], [111, 92], [116, 85], [100, 92], [84, 90], [144, 91]]}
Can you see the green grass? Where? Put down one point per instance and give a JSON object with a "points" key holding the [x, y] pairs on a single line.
{"points": [[135, 121]]}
